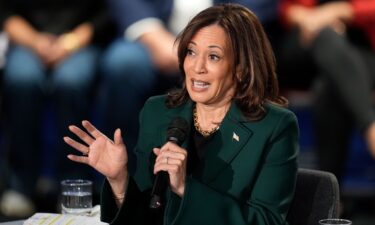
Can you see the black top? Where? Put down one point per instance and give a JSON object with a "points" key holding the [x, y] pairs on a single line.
{"points": [[197, 149], [196, 152], [59, 16]]}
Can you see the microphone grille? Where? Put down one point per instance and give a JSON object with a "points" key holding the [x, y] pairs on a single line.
{"points": [[178, 130]]}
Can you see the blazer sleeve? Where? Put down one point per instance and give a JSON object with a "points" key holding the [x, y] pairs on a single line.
{"points": [[134, 210], [269, 200]]}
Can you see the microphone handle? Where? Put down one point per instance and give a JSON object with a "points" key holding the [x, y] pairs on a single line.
{"points": [[160, 184]]}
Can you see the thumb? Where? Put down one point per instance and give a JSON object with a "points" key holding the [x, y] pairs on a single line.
{"points": [[117, 137], [156, 151]]}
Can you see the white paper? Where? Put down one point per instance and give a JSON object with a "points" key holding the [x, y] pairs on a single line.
{"points": [[62, 219]]}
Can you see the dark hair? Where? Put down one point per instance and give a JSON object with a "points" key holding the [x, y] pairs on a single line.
{"points": [[253, 62]]}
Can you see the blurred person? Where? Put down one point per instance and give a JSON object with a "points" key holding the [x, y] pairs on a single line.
{"points": [[52, 57], [3, 48], [238, 163], [142, 61], [334, 40]]}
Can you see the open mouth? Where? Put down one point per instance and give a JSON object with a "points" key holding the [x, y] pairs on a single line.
{"points": [[198, 84]]}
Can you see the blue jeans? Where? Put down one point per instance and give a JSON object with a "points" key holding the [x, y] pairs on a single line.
{"points": [[28, 85], [129, 78]]}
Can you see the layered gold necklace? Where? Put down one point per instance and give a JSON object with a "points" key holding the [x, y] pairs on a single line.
{"points": [[205, 133]]}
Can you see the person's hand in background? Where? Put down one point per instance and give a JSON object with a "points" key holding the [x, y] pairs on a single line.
{"points": [[70, 42], [160, 43], [311, 21]]}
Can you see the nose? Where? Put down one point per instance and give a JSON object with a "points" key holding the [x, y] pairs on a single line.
{"points": [[200, 65]]}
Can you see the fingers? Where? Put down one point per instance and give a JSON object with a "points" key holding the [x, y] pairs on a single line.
{"points": [[81, 134], [170, 158], [170, 168], [170, 155], [79, 159], [170, 150], [80, 147], [91, 129], [173, 147], [117, 137], [169, 162]]}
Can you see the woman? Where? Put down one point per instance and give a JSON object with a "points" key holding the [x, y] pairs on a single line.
{"points": [[238, 164]]}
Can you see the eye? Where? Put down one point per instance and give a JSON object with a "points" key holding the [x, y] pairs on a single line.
{"points": [[214, 57], [190, 52]]}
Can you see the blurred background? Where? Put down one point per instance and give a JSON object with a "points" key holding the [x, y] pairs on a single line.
{"points": [[64, 61]]}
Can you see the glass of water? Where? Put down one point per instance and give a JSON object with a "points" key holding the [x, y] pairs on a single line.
{"points": [[76, 197], [335, 221]]}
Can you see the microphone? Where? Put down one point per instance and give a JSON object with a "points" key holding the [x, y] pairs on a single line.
{"points": [[177, 132]]}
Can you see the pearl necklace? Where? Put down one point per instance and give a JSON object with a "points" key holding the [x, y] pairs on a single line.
{"points": [[205, 133]]}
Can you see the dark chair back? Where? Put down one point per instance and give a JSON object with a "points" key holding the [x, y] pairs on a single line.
{"points": [[317, 197]]}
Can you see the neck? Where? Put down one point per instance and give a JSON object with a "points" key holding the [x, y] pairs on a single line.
{"points": [[210, 117]]}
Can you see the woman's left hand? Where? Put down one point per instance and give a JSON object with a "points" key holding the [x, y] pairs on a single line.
{"points": [[172, 159]]}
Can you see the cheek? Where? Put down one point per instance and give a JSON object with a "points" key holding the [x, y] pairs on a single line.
{"points": [[187, 64], [226, 83], [188, 70]]}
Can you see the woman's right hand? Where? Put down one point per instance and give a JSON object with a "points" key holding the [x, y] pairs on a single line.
{"points": [[106, 156]]}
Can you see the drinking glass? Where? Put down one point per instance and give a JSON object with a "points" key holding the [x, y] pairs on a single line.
{"points": [[76, 197], [335, 221]]}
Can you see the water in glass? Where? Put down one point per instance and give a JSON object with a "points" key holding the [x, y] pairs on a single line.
{"points": [[76, 197]]}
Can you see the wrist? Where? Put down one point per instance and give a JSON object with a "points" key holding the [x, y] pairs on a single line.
{"points": [[180, 191], [119, 186], [70, 42]]}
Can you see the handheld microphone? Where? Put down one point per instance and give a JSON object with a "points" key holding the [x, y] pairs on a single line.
{"points": [[177, 132]]}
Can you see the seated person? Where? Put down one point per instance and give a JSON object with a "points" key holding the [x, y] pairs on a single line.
{"points": [[334, 40], [142, 61], [51, 61], [238, 162]]}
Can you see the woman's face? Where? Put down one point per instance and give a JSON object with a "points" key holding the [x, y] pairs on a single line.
{"points": [[208, 67]]}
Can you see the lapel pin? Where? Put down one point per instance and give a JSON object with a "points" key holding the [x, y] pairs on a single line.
{"points": [[235, 137]]}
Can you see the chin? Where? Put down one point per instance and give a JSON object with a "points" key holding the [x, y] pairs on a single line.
{"points": [[200, 100]]}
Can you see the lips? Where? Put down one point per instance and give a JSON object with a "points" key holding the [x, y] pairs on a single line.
{"points": [[198, 84]]}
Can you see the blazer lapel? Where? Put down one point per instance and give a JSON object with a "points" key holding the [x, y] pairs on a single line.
{"points": [[226, 144]]}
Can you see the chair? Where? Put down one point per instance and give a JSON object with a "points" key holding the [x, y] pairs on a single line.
{"points": [[317, 197]]}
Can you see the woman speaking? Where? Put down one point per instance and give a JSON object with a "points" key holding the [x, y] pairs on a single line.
{"points": [[233, 159]]}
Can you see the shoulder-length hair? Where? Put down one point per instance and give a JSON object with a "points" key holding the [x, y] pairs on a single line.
{"points": [[253, 62]]}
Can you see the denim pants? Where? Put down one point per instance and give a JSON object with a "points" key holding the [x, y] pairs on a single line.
{"points": [[28, 86], [129, 77]]}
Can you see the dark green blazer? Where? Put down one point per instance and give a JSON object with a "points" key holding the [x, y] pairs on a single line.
{"points": [[247, 175]]}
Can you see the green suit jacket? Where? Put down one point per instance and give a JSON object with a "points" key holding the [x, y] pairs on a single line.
{"points": [[247, 175]]}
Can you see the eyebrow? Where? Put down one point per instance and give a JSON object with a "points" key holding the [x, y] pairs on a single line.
{"points": [[210, 46]]}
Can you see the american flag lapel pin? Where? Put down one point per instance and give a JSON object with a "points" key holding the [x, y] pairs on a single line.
{"points": [[235, 137]]}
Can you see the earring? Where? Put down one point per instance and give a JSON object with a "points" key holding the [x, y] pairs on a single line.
{"points": [[239, 78]]}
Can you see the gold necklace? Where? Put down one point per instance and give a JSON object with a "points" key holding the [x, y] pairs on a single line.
{"points": [[205, 133]]}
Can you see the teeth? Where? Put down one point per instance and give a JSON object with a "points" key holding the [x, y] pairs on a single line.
{"points": [[200, 84]]}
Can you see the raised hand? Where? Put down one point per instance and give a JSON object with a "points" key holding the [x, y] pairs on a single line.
{"points": [[106, 156]]}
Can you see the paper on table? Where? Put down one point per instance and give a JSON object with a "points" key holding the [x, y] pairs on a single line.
{"points": [[62, 219]]}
